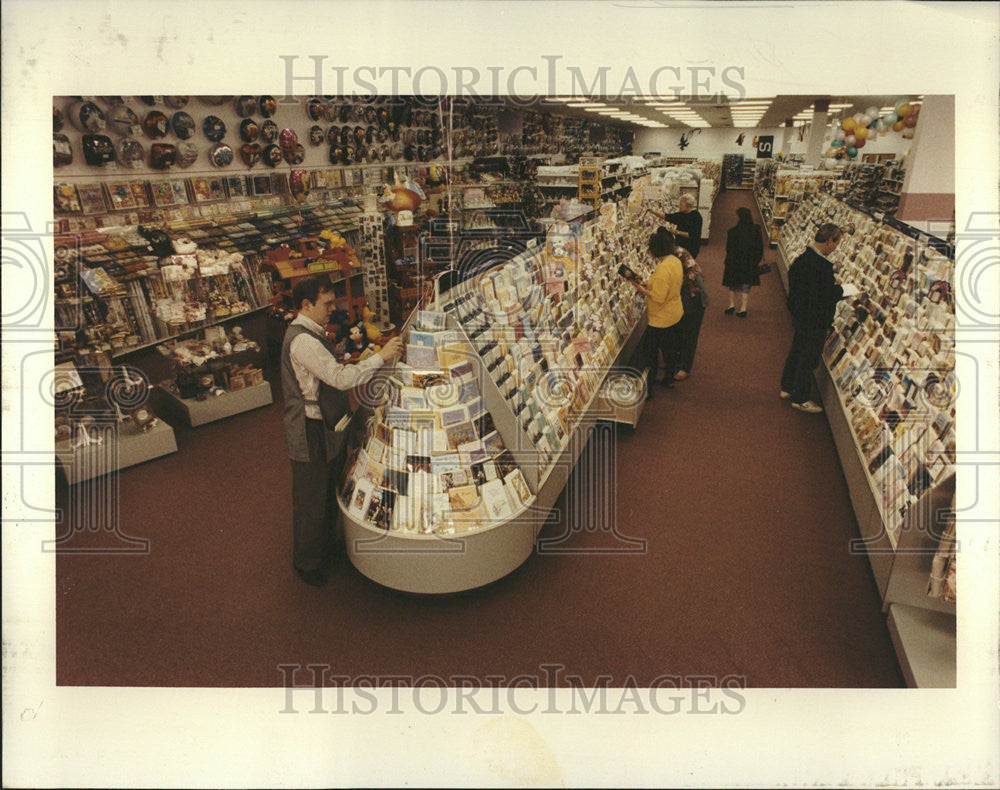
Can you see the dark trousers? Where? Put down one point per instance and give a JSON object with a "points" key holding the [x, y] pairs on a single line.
{"points": [[688, 329], [662, 340], [803, 358], [314, 502]]}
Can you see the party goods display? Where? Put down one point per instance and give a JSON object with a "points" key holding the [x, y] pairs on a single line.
{"points": [[214, 128], [183, 125], [123, 121], [856, 130]]}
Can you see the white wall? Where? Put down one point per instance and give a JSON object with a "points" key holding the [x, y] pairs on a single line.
{"points": [[933, 172]]}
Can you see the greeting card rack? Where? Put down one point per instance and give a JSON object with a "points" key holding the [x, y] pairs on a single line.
{"points": [[888, 387], [532, 350]]}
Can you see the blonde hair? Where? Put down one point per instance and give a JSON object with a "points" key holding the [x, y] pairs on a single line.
{"points": [[688, 200]]}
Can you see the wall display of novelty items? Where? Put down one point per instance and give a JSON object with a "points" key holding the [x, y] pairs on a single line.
{"points": [[166, 133], [471, 438], [892, 355], [122, 287]]}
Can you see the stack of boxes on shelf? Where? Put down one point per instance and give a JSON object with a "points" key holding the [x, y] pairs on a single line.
{"points": [[892, 355]]}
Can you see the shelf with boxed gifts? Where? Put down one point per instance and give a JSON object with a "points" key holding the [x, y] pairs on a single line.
{"points": [[207, 388]]}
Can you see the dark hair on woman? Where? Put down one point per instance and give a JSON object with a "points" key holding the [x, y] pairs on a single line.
{"points": [[745, 216], [662, 243]]}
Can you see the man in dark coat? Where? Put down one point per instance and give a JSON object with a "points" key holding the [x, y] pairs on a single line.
{"points": [[813, 294]]}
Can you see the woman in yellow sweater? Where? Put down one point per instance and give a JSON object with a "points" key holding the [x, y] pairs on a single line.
{"points": [[664, 307]]}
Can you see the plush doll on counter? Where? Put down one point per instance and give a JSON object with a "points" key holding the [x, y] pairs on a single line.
{"points": [[373, 332], [356, 341]]}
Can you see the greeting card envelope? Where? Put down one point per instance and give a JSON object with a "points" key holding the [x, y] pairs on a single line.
{"points": [[421, 357], [463, 498], [495, 502], [430, 320], [419, 338]]}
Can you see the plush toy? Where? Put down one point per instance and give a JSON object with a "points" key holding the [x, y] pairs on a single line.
{"points": [[334, 241], [373, 332], [357, 340]]}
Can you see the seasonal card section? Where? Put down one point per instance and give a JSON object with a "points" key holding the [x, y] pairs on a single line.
{"points": [[891, 355]]}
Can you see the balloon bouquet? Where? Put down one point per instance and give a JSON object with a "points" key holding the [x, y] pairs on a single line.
{"points": [[856, 131]]}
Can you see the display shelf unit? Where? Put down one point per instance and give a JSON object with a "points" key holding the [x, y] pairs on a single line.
{"points": [[117, 290], [435, 564], [887, 386], [187, 330], [122, 445], [778, 191], [589, 181], [597, 392], [200, 412]]}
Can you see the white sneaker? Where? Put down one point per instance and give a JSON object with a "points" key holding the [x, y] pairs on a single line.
{"points": [[784, 395], [808, 407]]}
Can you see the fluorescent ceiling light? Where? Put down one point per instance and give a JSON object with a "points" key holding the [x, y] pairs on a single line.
{"points": [[586, 104]]}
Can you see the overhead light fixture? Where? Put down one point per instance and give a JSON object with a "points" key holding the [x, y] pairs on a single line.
{"points": [[586, 104]]}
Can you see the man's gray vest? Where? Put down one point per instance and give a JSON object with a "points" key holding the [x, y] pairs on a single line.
{"points": [[333, 403]]}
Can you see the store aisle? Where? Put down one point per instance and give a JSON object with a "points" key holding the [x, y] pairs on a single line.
{"points": [[736, 503]]}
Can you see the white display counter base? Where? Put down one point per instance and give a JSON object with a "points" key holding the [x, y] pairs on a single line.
{"points": [[122, 446], [925, 645], [435, 564], [198, 412]]}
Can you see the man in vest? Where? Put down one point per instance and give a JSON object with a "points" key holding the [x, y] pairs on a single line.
{"points": [[316, 403], [813, 294]]}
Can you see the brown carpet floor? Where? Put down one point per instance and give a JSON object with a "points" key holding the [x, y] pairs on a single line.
{"points": [[740, 500]]}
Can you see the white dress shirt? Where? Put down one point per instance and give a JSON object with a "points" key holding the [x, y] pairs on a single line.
{"points": [[312, 362]]}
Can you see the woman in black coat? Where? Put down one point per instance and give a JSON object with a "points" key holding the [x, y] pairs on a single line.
{"points": [[744, 252]]}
